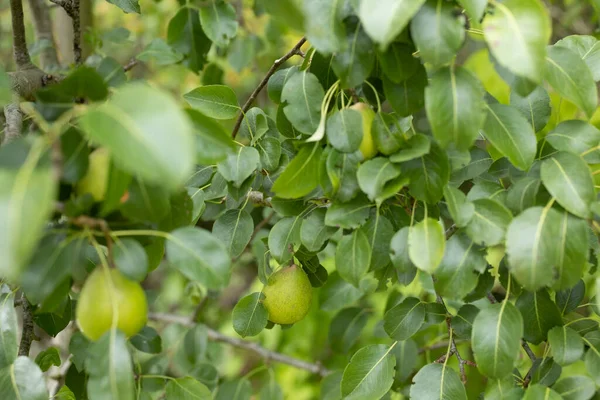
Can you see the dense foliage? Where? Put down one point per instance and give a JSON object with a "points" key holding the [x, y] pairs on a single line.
{"points": [[411, 210]]}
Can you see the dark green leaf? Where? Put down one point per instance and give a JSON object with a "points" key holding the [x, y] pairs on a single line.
{"points": [[234, 229], [348, 215], [405, 319], [374, 175], [535, 107], [236, 168], [303, 95], [354, 63], [542, 315], [460, 209], [219, 22], [284, 235], [408, 96], [398, 62], [346, 327], [301, 176], [147, 340], [569, 299], [566, 345], [428, 175], [187, 388], [215, 101], [462, 322], [344, 130], [185, 34], [314, 233], [353, 257]]}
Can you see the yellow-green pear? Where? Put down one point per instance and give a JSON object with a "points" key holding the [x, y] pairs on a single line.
{"points": [[288, 294], [107, 293], [367, 146], [95, 180]]}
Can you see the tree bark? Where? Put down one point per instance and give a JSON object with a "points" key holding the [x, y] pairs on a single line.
{"points": [[63, 32]]}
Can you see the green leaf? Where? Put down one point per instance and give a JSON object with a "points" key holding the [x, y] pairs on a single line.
{"points": [[215, 101], [569, 180], [545, 371], [459, 270], [489, 223], [354, 63], [159, 150], [542, 315], [462, 322], [379, 231], [455, 106], [249, 315], [503, 389], [398, 62], [8, 330], [535, 107], [428, 175], [576, 387], [110, 369], [338, 174], [374, 176], [147, 340], [566, 345], [52, 263], [474, 8], [437, 32], [572, 252], [276, 83], [437, 381], [324, 29], [131, 259], [238, 389], [234, 228], [284, 234], [187, 388], [185, 34], [384, 20], [26, 202], [569, 299], [213, 142], [219, 22], [346, 327], [146, 202], [477, 163], [348, 215], [415, 147], [353, 257], [370, 373], [288, 12], [270, 153], [579, 137], [112, 72], [337, 293], [399, 254], [200, 256], [128, 6], [531, 247], [540, 392], [408, 96], [571, 78], [496, 338], [588, 48], [510, 133], [426, 244], [23, 380], [523, 194], [314, 233], [236, 168], [75, 154], [517, 34], [159, 51], [460, 209], [345, 130], [402, 321], [301, 176], [303, 95]]}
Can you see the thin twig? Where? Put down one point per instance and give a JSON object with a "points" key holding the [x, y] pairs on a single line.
{"points": [[294, 51], [268, 355], [60, 378], [20, 52], [260, 225], [129, 66], [96, 223], [453, 348], [27, 332]]}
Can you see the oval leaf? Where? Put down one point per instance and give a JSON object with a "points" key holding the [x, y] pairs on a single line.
{"points": [[215, 101], [370, 373], [426, 243]]}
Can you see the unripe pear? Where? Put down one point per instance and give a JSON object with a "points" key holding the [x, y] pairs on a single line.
{"points": [[95, 180], [288, 294], [367, 146], [106, 293]]}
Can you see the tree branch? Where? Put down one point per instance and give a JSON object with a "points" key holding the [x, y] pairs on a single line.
{"points": [[72, 8], [294, 51], [268, 355], [27, 333], [14, 123], [43, 32], [20, 52]]}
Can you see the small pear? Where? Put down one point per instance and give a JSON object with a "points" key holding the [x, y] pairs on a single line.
{"points": [[104, 293], [95, 180], [288, 294], [367, 146]]}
